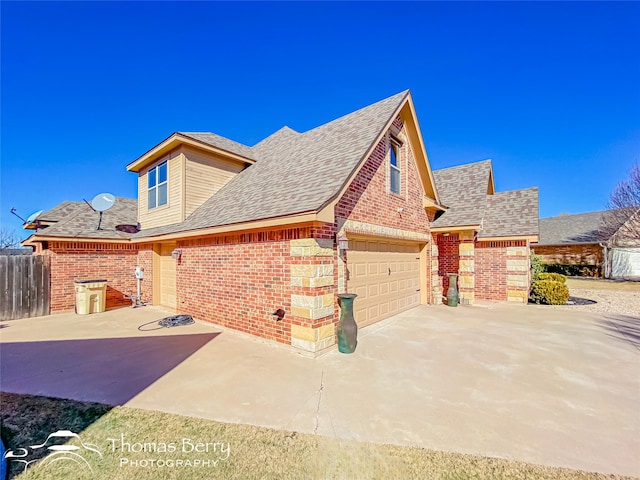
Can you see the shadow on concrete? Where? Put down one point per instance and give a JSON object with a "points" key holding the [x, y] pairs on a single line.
{"points": [[624, 328], [105, 370]]}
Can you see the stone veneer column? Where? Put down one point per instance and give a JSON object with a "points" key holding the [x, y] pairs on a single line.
{"points": [[518, 274], [466, 269], [313, 300], [436, 280]]}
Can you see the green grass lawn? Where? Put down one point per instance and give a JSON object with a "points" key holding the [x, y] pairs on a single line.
{"points": [[234, 451]]}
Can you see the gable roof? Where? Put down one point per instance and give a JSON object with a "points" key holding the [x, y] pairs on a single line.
{"points": [[568, 229], [463, 189], [78, 220], [295, 173], [291, 176], [469, 193]]}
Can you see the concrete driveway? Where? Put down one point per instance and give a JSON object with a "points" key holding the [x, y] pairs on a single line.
{"points": [[530, 383]]}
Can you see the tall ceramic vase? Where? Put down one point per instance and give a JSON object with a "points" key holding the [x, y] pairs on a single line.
{"points": [[347, 327], [452, 292]]}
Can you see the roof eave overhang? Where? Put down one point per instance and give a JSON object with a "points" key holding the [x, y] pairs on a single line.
{"points": [[455, 228], [299, 218], [530, 238], [409, 115], [176, 140], [33, 239], [595, 242], [431, 204]]}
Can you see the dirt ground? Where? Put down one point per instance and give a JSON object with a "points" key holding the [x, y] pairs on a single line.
{"points": [[611, 296]]}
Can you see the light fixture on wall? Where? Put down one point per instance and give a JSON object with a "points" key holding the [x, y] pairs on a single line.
{"points": [[343, 242]]}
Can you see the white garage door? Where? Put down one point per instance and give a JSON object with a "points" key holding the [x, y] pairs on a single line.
{"points": [[385, 276], [625, 263]]}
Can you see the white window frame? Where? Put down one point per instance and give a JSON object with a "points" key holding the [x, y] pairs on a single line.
{"points": [[394, 151], [153, 174]]}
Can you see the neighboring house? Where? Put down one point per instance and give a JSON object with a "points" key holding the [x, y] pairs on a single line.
{"points": [[231, 233], [16, 251], [484, 235], [594, 240]]}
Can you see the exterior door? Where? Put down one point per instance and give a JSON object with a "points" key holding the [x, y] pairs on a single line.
{"points": [[167, 276]]}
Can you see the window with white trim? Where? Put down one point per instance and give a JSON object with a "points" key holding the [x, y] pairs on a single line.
{"points": [[157, 186], [394, 168]]}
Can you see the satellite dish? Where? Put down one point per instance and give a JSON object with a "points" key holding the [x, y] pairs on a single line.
{"points": [[32, 218], [103, 202]]}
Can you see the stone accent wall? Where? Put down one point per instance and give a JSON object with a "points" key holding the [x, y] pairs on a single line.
{"points": [[590, 254], [518, 274], [313, 293], [436, 279], [466, 269], [71, 261]]}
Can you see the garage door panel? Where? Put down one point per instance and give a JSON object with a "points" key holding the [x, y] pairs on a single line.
{"points": [[385, 276]]}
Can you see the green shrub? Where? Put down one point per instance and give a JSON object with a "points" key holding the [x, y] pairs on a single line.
{"points": [[549, 292], [556, 277], [537, 267], [579, 270]]}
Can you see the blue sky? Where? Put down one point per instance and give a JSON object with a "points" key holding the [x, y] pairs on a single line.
{"points": [[549, 91]]}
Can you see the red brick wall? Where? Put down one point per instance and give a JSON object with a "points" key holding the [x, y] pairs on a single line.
{"points": [[145, 260], [238, 281], [571, 254], [72, 261], [368, 200], [491, 272], [448, 258], [491, 268]]}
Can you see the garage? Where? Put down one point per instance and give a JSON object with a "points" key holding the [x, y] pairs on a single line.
{"points": [[386, 277], [625, 263], [167, 276]]}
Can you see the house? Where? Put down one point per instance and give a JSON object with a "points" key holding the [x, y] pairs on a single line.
{"points": [[595, 243], [484, 235], [230, 233]]}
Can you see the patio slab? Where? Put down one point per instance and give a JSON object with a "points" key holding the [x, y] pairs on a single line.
{"points": [[546, 386]]}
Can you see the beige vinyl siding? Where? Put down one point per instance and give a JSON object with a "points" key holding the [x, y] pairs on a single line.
{"points": [[205, 174], [172, 212]]}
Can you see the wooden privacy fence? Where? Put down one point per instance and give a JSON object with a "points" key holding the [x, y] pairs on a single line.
{"points": [[24, 286]]}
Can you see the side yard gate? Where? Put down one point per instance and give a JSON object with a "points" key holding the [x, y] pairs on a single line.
{"points": [[24, 286]]}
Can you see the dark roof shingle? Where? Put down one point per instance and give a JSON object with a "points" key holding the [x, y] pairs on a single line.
{"points": [[513, 213], [463, 189], [294, 172], [221, 142], [578, 228], [78, 220]]}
